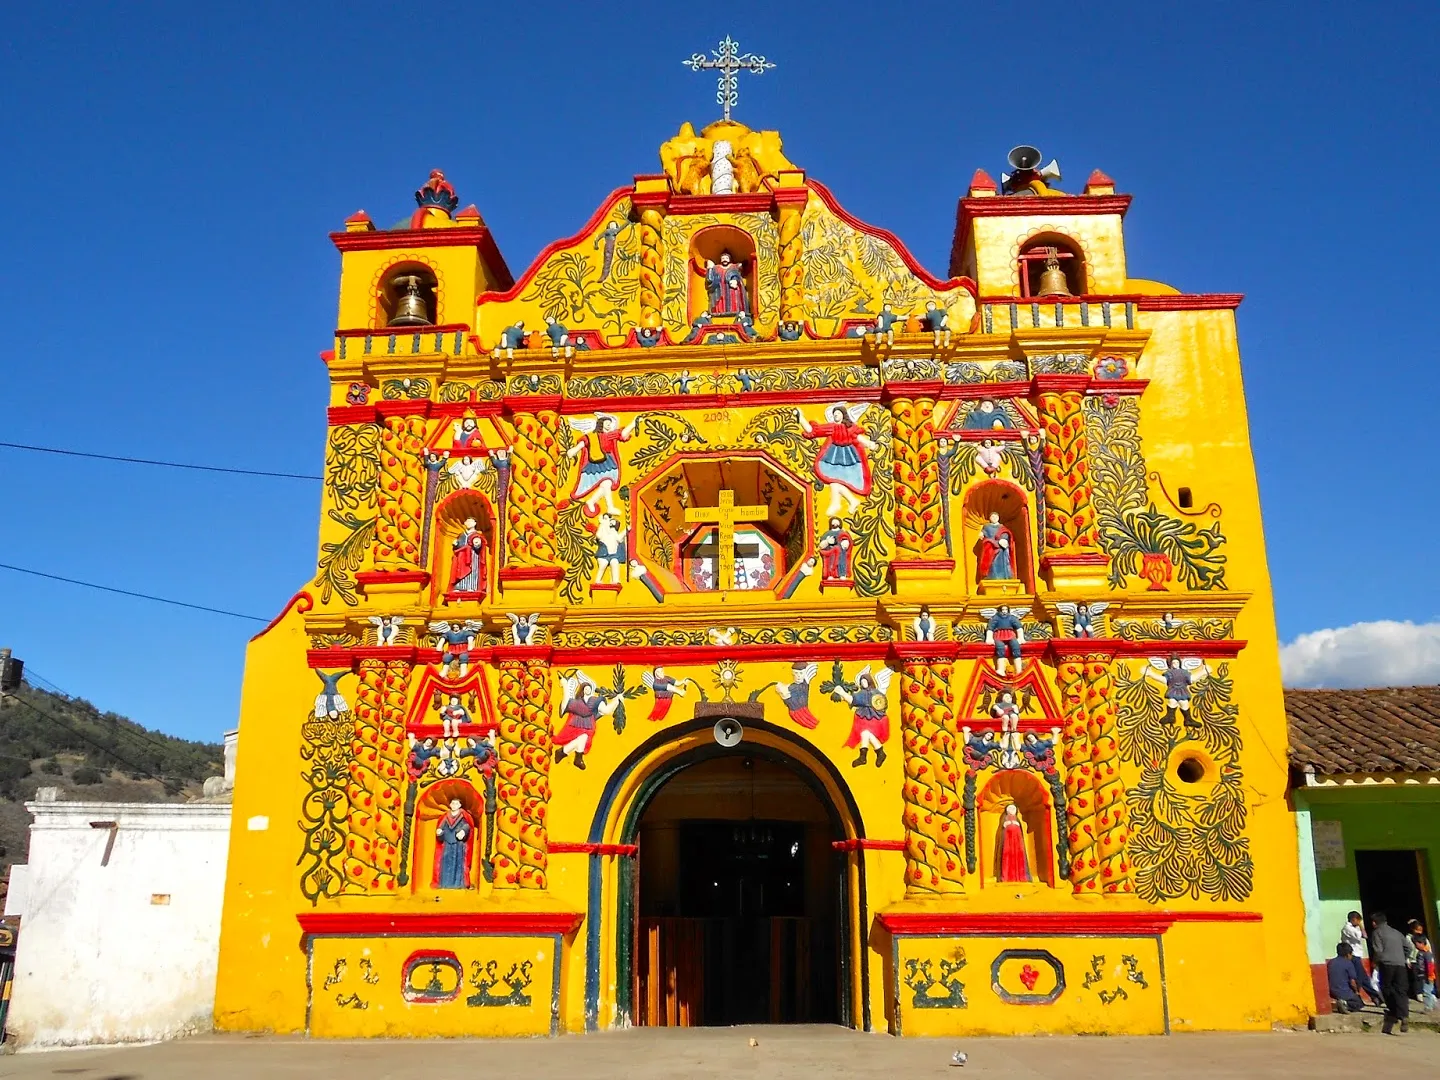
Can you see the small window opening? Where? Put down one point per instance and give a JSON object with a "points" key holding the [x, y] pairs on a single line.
{"points": [[408, 298], [1186, 499]]}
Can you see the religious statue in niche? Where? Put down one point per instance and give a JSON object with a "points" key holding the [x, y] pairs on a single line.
{"points": [[665, 688], [1179, 678], [870, 726], [987, 416], [725, 287], [843, 463], [581, 707], [456, 641], [609, 548], [1004, 630], [467, 563], [995, 559], [835, 547], [1084, 617], [1012, 862], [599, 456], [454, 840]]}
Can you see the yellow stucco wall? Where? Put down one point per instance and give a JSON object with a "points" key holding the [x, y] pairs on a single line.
{"points": [[1110, 410]]}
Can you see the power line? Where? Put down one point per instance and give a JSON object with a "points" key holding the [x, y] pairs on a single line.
{"points": [[162, 464], [128, 592]]}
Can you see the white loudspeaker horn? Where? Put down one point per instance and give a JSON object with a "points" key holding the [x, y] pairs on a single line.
{"points": [[1023, 157], [729, 732], [1051, 171]]}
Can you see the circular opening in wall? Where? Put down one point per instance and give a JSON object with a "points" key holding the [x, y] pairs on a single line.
{"points": [[1190, 770]]}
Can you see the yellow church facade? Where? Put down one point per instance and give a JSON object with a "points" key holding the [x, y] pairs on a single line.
{"points": [[729, 621]]}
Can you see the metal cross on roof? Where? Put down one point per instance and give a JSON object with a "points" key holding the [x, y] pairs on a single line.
{"points": [[728, 61]]}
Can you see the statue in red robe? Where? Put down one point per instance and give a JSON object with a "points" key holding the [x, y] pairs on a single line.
{"points": [[467, 561], [1014, 863], [454, 837]]}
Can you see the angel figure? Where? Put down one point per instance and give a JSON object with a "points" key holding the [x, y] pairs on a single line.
{"points": [[1179, 678], [1084, 617], [923, 626], [524, 629], [387, 628], [665, 688], [600, 464], [330, 703], [870, 728], [456, 640], [989, 458], [843, 463], [466, 467], [582, 705], [796, 693]]}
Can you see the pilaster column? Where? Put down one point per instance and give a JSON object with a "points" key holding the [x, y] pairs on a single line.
{"points": [[1070, 677], [920, 563], [651, 195], [374, 790], [791, 205], [523, 774], [1072, 544], [531, 511], [934, 818], [1112, 819]]}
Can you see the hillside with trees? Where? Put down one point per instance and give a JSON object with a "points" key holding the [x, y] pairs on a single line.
{"points": [[51, 740]]}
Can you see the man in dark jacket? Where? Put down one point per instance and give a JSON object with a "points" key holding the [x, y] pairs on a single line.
{"points": [[1387, 952]]}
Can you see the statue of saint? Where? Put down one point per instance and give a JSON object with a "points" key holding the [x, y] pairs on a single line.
{"points": [[453, 838], [997, 551], [725, 285], [1013, 864], [467, 561]]}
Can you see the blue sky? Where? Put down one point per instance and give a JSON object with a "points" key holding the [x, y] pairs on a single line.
{"points": [[171, 171]]}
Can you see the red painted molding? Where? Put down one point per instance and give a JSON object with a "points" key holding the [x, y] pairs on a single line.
{"points": [[562, 847], [862, 844], [660, 655], [1059, 648], [757, 202], [1059, 384], [923, 564], [894, 391], [1191, 302], [1044, 205], [386, 409], [532, 573], [397, 577], [532, 403], [339, 415], [358, 923], [476, 236], [1117, 923], [1078, 559], [302, 602], [914, 651]]}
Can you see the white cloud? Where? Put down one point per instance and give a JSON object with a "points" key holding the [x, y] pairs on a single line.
{"points": [[1385, 653]]}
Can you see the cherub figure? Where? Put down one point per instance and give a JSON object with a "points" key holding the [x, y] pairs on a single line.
{"points": [[582, 705], [456, 640], [1083, 616], [559, 338], [524, 629], [387, 628], [1178, 677]]}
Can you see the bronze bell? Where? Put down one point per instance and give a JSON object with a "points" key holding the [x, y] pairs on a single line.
{"points": [[1052, 281], [410, 307]]}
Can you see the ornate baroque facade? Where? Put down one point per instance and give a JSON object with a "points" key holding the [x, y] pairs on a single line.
{"points": [[981, 557]]}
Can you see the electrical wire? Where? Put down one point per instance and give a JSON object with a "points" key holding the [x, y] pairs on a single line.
{"points": [[110, 751], [138, 733], [162, 464], [128, 592]]}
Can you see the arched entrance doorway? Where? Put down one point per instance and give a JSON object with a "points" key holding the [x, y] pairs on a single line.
{"points": [[785, 925], [739, 898]]}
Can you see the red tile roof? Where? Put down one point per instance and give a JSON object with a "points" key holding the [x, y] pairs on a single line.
{"points": [[1390, 729]]}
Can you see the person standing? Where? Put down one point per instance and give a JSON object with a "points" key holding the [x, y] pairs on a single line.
{"points": [[1387, 953], [1344, 987], [1422, 965]]}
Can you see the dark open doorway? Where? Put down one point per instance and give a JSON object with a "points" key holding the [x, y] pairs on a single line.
{"points": [[1391, 881], [741, 902]]}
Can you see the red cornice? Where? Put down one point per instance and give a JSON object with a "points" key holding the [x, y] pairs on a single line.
{"points": [[514, 290], [759, 202], [476, 236], [366, 923], [863, 844], [398, 577], [1191, 302], [532, 573], [660, 655], [915, 651], [302, 602], [1059, 648], [1043, 205], [1039, 923], [338, 415]]}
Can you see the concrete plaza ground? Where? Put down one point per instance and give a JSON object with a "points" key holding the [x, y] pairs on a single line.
{"points": [[783, 1052]]}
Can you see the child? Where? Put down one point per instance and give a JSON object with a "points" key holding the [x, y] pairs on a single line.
{"points": [[1422, 967], [1353, 934]]}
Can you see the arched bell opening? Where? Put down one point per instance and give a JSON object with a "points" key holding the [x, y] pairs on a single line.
{"points": [[1051, 265], [408, 296]]}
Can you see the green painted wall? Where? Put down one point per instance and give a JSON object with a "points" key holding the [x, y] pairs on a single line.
{"points": [[1377, 817]]}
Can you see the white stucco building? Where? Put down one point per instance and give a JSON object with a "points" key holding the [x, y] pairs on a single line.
{"points": [[120, 920]]}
